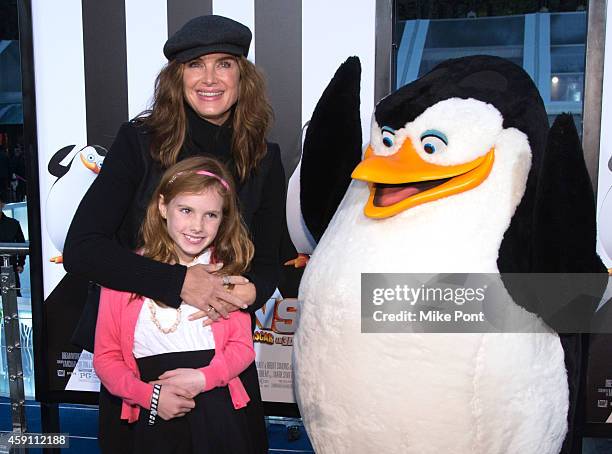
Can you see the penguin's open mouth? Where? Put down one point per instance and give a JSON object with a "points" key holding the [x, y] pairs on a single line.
{"points": [[389, 194], [403, 180]]}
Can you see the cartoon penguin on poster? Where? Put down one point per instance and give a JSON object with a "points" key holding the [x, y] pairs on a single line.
{"points": [[75, 169], [462, 175], [605, 220]]}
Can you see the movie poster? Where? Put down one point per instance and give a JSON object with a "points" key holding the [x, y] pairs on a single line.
{"points": [[599, 382], [604, 181], [273, 339], [85, 88]]}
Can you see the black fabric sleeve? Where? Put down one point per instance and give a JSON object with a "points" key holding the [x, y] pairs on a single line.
{"points": [[19, 238], [92, 249], [267, 228]]}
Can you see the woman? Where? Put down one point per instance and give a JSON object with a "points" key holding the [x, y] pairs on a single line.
{"points": [[209, 99]]}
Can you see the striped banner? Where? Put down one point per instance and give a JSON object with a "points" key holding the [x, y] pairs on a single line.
{"points": [[104, 50]]}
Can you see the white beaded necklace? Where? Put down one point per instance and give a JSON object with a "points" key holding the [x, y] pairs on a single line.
{"points": [[153, 310], [156, 322]]}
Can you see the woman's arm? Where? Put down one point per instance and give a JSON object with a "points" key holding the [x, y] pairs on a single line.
{"points": [[267, 230], [203, 290], [92, 248]]}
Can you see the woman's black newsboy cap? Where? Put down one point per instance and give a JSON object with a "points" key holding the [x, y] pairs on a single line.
{"points": [[206, 35]]}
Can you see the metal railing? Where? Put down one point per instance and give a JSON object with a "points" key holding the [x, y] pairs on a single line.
{"points": [[10, 314]]}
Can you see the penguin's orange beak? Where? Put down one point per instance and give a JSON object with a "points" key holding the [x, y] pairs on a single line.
{"points": [[95, 168], [403, 180]]}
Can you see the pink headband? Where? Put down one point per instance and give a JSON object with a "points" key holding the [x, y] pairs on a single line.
{"points": [[203, 172]]}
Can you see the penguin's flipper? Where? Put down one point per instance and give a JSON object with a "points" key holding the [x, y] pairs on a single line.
{"points": [[564, 232], [564, 241], [564, 213], [332, 148], [55, 167]]}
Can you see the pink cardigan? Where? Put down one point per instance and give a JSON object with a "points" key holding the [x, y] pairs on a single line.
{"points": [[116, 366]]}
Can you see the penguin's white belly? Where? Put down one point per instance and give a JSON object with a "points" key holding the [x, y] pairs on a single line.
{"points": [[418, 393], [63, 200]]}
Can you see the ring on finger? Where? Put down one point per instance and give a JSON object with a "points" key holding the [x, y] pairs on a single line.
{"points": [[226, 280], [210, 308]]}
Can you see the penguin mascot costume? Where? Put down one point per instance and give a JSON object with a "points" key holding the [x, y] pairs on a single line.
{"points": [[75, 170], [462, 175]]}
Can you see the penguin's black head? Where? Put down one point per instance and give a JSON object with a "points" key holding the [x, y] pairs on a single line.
{"points": [[489, 79], [437, 136]]}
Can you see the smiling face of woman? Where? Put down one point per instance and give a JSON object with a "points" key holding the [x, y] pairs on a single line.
{"points": [[211, 86]]}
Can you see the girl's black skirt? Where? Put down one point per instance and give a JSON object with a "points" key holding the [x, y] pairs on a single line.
{"points": [[116, 436], [212, 427]]}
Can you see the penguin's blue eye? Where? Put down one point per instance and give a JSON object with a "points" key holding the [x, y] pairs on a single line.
{"points": [[91, 158], [433, 141], [429, 148], [388, 135]]}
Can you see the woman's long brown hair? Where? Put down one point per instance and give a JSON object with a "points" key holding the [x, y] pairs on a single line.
{"points": [[232, 245], [252, 117]]}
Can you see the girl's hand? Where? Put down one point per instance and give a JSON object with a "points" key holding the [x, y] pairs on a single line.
{"points": [[244, 293], [203, 289], [192, 381], [173, 402]]}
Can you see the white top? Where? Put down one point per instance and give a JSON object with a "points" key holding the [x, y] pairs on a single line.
{"points": [[189, 335]]}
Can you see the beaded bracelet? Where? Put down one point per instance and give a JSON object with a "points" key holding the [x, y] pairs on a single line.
{"points": [[154, 402]]}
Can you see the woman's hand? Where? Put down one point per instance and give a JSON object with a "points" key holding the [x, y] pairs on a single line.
{"points": [[173, 402], [245, 293], [205, 290], [192, 381]]}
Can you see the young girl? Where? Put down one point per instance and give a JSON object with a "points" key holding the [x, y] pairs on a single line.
{"points": [[192, 218]]}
